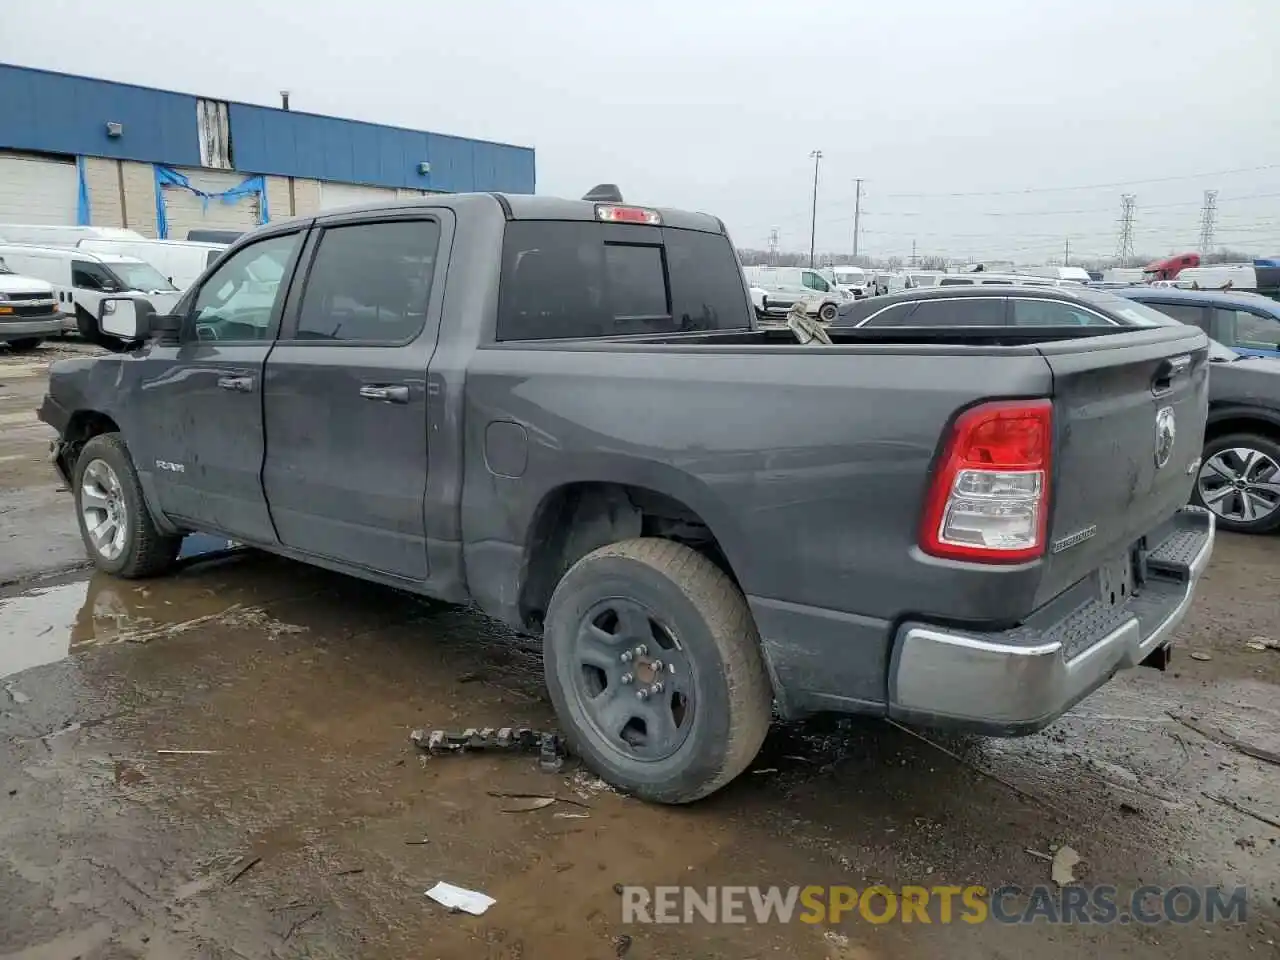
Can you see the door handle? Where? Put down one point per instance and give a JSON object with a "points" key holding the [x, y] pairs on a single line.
{"points": [[1168, 371], [237, 384], [391, 393]]}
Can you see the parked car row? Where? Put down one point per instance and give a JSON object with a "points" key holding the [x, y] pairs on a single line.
{"points": [[82, 265]]}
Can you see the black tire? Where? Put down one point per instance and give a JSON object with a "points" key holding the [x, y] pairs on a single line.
{"points": [[693, 600], [25, 345], [147, 552], [87, 324], [827, 312], [1246, 441]]}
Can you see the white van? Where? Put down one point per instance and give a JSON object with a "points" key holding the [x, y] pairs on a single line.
{"points": [[1070, 274], [81, 279], [854, 279], [47, 236], [181, 261], [785, 286]]}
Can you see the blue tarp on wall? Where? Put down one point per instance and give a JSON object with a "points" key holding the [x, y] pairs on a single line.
{"points": [[168, 177]]}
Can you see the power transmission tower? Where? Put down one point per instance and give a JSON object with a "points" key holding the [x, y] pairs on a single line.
{"points": [[857, 213], [1066, 252], [1208, 220], [1126, 228], [914, 260], [773, 247]]}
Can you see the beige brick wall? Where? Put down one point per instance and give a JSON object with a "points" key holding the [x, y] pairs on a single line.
{"points": [[306, 197], [140, 198], [278, 198], [103, 180]]}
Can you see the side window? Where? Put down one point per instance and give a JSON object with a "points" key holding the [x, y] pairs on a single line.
{"points": [[706, 282], [370, 282], [212, 258], [91, 276], [239, 299], [815, 282], [955, 282], [994, 283], [899, 315], [1243, 328], [1187, 313], [1054, 313], [962, 312]]}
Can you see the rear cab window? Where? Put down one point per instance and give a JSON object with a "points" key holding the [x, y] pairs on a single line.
{"points": [[582, 279]]}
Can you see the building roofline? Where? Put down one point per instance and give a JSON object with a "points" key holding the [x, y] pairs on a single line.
{"points": [[258, 106]]}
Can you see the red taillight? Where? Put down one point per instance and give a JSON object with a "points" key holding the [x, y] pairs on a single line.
{"points": [[989, 500], [611, 213]]}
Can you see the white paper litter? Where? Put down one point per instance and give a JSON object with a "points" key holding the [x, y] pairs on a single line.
{"points": [[460, 898]]}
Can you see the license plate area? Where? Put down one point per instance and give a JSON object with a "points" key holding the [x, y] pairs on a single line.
{"points": [[1116, 581]]}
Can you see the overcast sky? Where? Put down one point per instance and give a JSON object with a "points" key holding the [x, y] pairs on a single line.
{"points": [[717, 104]]}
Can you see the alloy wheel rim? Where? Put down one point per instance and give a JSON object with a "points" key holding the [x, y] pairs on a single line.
{"points": [[633, 680], [1240, 484], [102, 507]]}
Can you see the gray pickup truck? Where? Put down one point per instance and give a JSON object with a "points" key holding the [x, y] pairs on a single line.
{"points": [[564, 412]]}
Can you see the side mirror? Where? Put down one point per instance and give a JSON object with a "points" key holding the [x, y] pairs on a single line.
{"points": [[126, 318]]}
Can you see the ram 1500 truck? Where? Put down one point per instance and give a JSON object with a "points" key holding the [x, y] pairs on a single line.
{"points": [[564, 412]]}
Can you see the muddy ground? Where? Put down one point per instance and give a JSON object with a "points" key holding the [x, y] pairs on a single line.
{"points": [[311, 826]]}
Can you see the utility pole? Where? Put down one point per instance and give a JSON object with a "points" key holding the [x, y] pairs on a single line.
{"points": [[816, 156], [914, 260], [773, 247], [1127, 201], [857, 213], [1208, 220], [1066, 252]]}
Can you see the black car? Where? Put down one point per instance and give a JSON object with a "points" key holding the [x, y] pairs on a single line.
{"points": [[1239, 477]]}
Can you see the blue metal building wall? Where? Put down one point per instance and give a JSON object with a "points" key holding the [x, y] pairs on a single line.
{"points": [[57, 113], [265, 140]]}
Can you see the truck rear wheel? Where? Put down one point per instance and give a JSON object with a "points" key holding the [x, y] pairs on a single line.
{"points": [[118, 532], [654, 666]]}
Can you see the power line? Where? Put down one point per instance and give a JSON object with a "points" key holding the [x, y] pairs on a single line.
{"points": [[1092, 186]]}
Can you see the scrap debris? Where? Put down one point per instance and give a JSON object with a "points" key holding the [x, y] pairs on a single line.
{"points": [[549, 746], [1240, 808], [1064, 859], [460, 898]]}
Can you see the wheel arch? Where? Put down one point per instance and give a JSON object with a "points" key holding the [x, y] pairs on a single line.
{"points": [[1242, 418], [578, 516]]}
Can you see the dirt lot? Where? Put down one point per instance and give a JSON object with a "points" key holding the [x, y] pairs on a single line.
{"points": [[303, 686]]}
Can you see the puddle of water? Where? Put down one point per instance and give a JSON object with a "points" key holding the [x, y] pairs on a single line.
{"points": [[48, 622], [39, 624]]}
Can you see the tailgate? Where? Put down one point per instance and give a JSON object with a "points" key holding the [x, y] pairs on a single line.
{"points": [[1117, 471]]}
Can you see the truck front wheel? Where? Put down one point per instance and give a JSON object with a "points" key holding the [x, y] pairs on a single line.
{"points": [[827, 312], [118, 532], [654, 666]]}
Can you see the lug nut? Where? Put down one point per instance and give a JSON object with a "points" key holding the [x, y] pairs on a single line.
{"points": [[671, 668], [641, 650], [626, 656], [626, 678], [656, 687], [642, 694], [658, 665]]}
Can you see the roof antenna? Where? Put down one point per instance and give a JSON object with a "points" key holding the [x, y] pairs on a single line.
{"points": [[604, 193]]}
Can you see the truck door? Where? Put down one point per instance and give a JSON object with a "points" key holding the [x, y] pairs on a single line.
{"points": [[201, 401], [346, 391]]}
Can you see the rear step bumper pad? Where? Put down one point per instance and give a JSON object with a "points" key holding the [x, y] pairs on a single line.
{"points": [[1019, 681]]}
